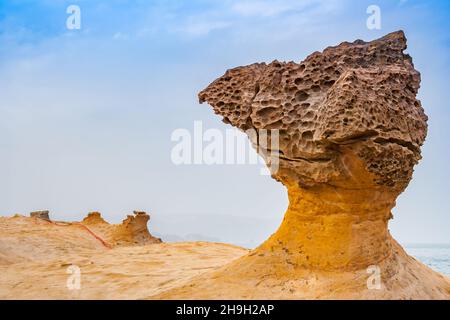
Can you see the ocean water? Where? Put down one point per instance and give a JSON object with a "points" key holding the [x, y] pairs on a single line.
{"points": [[436, 256]]}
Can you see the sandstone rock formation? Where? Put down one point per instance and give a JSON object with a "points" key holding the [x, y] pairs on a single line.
{"points": [[35, 257], [94, 218], [43, 214], [350, 130], [134, 230]]}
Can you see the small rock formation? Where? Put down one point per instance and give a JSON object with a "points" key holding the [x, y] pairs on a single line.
{"points": [[43, 214], [134, 230], [350, 130], [93, 218]]}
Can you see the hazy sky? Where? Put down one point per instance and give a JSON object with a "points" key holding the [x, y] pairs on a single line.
{"points": [[86, 115]]}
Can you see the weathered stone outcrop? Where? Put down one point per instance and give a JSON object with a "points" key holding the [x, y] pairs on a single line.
{"points": [[43, 214], [134, 230], [350, 131], [94, 218]]}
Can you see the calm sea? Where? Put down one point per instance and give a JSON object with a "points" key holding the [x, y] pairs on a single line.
{"points": [[436, 256]]}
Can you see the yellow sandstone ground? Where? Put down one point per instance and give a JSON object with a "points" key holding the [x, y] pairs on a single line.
{"points": [[35, 256], [327, 247]]}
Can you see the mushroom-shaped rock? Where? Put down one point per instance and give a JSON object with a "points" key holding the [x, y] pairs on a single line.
{"points": [[350, 130]]}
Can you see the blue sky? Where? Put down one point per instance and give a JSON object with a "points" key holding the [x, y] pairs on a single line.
{"points": [[86, 115]]}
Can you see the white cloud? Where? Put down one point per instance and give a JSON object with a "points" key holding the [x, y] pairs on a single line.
{"points": [[260, 8], [199, 28], [120, 36], [265, 8]]}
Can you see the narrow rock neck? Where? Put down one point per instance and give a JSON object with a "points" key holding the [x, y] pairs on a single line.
{"points": [[331, 228]]}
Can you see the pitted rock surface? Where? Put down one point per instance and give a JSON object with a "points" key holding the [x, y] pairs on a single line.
{"points": [[361, 93]]}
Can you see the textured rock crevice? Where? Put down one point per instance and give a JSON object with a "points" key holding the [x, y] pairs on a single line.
{"points": [[350, 130]]}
